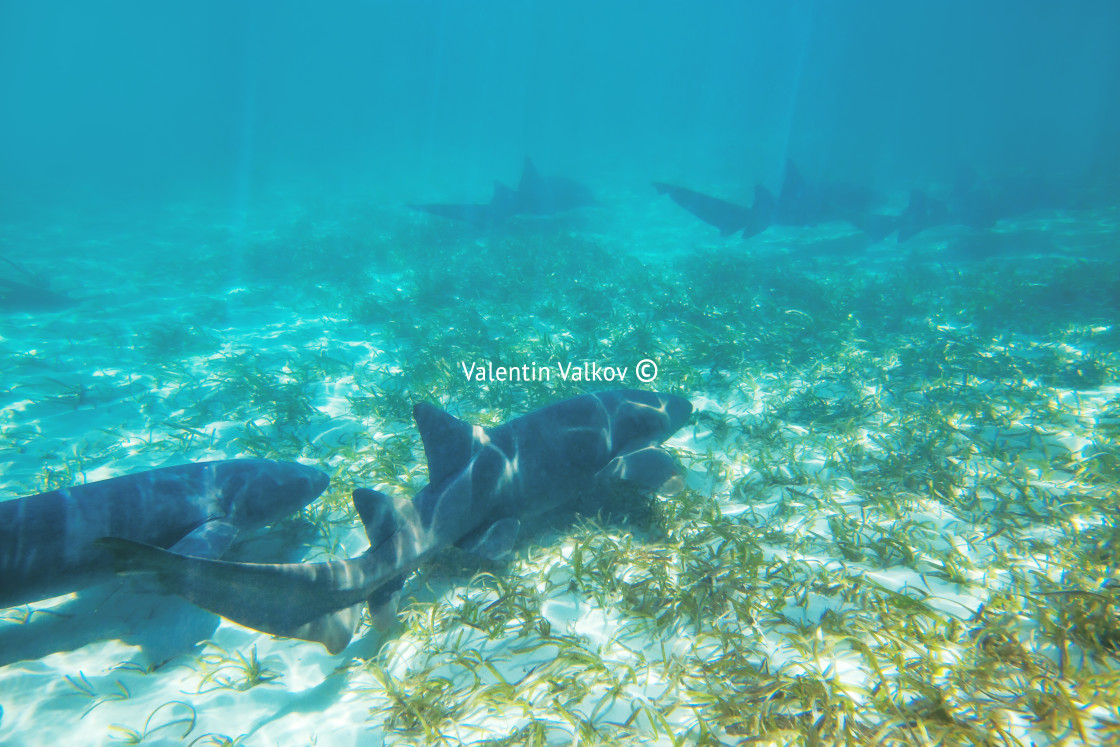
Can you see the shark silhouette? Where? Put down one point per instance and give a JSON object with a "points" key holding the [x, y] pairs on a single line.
{"points": [[798, 203], [35, 295], [535, 195], [48, 541], [979, 205], [483, 482], [804, 203]]}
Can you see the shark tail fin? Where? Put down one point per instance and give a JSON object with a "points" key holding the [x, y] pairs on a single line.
{"points": [[291, 600]]}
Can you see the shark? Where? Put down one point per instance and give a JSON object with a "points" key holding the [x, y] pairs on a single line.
{"points": [[978, 204], [48, 541], [799, 202], [484, 484], [32, 296], [535, 195]]}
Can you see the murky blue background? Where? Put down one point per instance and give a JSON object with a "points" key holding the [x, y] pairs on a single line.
{"points": [[117, 102]]}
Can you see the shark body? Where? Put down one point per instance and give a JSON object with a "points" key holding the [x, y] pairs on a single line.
{"points": [[31, 296], [536, 195], [804, 203], [48, 541], [798, 203], [483, 482], [979, 204]]}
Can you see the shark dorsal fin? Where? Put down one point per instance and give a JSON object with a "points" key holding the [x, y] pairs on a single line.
{"points": [[529, 175], [448, 441], [377, 513]]}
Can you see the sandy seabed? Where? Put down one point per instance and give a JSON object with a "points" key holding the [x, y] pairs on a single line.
{"points": [[899, 526]]}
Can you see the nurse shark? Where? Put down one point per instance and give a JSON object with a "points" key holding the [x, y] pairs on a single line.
{"points": [[536, 195], [31, 296], [799, 202], [483, 483], [48, 541], [979, 204]]}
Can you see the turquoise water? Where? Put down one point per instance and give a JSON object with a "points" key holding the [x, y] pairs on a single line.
{"points": [[898, 515]]}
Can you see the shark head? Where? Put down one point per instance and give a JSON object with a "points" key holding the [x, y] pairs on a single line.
{"points": [[643, 418], [639, 423], [257, 491]]}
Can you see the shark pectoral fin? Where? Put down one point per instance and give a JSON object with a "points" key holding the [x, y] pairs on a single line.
{"points": [[504, 197], [764, 201], [649, 467], [333, 630], [384, 613], [209, 540], [383, 604], [877, 226], [495, 542]]}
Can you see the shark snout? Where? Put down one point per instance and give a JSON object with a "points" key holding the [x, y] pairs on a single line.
{"points": [[259, 492], [307, 484], [318, 480], [679, 410], [297, 480]]}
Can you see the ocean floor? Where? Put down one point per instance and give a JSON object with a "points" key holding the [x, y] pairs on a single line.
{"points": [[900, 525]]}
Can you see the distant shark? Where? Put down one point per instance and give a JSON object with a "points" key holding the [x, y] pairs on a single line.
{"points": [[804, 203], [979, 205], [48, 541], [798, 203], [35, 295], [483, 483], [535, 195]]}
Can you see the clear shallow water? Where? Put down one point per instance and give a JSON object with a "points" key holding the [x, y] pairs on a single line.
{"points": [[901, 468]]}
